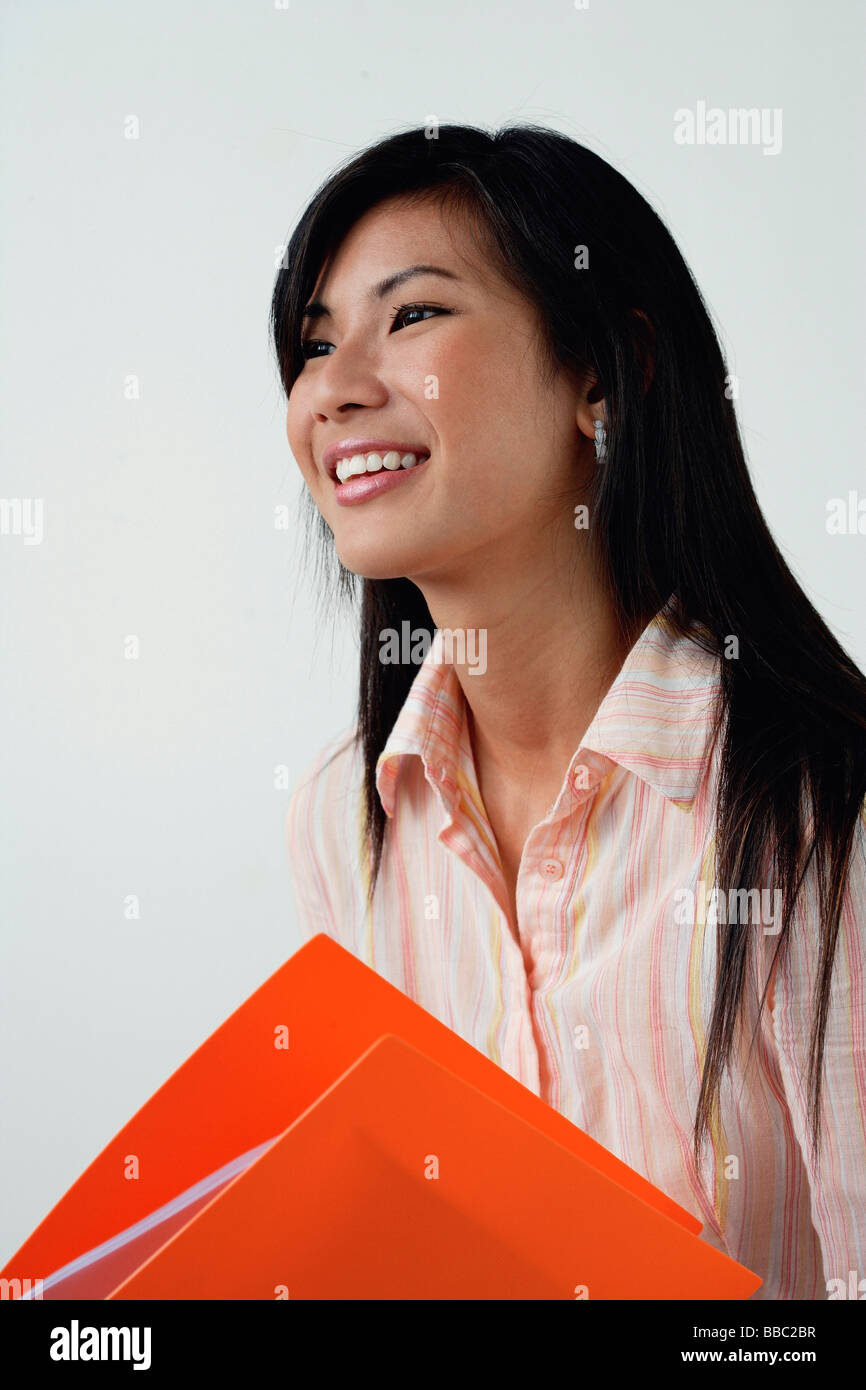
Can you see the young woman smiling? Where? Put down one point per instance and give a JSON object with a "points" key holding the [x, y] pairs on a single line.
{"points": [[478, 334]]}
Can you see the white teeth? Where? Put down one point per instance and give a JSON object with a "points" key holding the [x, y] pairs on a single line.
{"points": [[372, 463]]}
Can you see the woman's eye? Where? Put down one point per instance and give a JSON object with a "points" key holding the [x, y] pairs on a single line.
{"points": [[402, 310], [308, 343], [401, 317]]}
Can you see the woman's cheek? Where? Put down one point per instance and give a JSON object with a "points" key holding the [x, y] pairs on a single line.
{"points": [[299, 444]]}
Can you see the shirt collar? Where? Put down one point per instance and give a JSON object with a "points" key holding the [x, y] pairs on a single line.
{"points": [[656, 719]]}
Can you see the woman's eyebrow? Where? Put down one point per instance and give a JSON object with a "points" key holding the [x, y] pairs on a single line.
{"points": [[318, 309]]}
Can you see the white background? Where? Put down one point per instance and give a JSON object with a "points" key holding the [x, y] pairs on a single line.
{"points": [[157, 257]]}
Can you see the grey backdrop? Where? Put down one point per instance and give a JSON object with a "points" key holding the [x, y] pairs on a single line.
{"points": [[154, 258]]}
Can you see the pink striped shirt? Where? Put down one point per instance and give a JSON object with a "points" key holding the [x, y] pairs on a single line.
{"points": [[600, 1002]]}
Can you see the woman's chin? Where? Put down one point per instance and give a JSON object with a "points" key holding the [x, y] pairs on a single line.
{"points": [[377, 562], [377, 559]]}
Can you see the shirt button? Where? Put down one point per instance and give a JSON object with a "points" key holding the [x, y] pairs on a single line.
{"points": [[551, 868]]}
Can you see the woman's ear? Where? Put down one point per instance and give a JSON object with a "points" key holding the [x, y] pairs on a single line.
{"points": [[591, 404], [590, 407], [645, 347]]}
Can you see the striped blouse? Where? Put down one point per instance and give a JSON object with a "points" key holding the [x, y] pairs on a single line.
{"points": [[600, 1001]]}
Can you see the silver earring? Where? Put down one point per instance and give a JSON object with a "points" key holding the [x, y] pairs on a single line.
{"points": [[600, 440]]}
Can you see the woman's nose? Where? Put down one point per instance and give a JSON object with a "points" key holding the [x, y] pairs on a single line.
{"points": [[348, 377]]}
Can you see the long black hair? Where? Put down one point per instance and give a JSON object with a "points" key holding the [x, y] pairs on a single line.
{"points": [[673, 513]]}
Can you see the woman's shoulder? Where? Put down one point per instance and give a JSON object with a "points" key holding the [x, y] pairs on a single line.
{"points": [[802, 960], [323, 836], [334, 758], [324, 799]]}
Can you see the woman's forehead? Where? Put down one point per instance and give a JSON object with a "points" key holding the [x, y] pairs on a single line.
{"points": [[399, 233]]}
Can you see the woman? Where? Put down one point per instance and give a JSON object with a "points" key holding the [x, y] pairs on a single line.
{"points": [[624, 855]]}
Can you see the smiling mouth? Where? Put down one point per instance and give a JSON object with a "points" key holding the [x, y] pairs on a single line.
{"points": [[359, 465]]}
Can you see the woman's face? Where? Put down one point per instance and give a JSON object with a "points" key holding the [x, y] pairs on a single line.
{"points": [[457, 374]]}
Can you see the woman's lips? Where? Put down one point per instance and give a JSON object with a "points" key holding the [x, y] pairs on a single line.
{"points": [[366, 485]]}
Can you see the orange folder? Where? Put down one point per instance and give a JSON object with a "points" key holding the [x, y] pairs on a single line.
{"points": [[333, 1140]]}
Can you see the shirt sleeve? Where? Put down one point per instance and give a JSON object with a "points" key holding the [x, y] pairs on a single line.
{"points": [[317, 820], [837, 1178]]}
